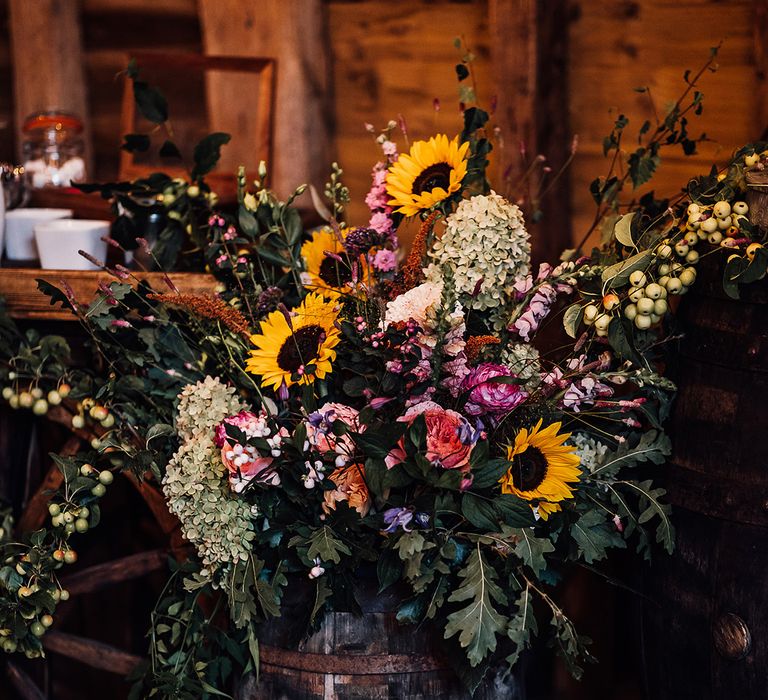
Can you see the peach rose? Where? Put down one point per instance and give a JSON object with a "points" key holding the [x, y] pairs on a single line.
{"points": [[450, 437], [350, 487]]}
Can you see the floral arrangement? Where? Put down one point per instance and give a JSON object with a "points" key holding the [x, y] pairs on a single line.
{"points": [[343, 410]]}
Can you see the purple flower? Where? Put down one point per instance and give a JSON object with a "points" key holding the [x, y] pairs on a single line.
{"points": [[398, 517], [488, 396]]}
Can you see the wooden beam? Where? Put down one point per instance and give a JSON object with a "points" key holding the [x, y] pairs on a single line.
{"points": [[295, 34], [100, 576], [47, 59], [529, 49], [92, 653], [22, 683]]}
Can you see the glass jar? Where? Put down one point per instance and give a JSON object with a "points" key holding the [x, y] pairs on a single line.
{"points": [[53, 149]]}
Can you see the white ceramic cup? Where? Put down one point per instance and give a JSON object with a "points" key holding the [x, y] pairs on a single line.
{"points": [[19, 230], [59, 242]]}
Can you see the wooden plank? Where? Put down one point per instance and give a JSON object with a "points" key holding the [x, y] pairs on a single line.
{"points": [[760, 31], [295, 35], [100, 576], [92, 653], [529, 51], [22, 683], [24, 300], [48, 60]]}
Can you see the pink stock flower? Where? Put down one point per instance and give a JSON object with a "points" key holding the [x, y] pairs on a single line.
{"points": [[385, 260], [493, 397]]}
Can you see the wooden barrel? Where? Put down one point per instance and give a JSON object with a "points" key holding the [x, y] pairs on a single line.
{"points": [[356, 657], [706, 625]]}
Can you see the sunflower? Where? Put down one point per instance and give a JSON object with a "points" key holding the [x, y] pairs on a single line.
{"points": [[431, 172], [298, 352], [542, 467], [331, 275]]}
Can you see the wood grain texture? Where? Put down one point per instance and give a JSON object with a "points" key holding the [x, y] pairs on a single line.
{"points": [[395, 57], [91, 653], [617, 46], [24, 300], [47, 60], [295, 34], [355, 657], [706, 620], [529, 52], [100, 576]]}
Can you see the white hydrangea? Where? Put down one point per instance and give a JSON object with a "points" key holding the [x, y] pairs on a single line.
{"points": [[592, 453], [523, 360], [195, 483], [486, 245]]}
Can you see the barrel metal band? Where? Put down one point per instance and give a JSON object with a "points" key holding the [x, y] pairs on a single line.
{"points": [[350, 664]]}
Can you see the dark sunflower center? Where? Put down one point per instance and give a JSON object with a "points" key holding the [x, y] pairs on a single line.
{"points": [[335, 273], [529, 469], [437, 175], [300, 348]]}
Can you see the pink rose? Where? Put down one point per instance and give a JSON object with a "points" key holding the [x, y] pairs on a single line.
{"points": [[450, 437], [486, 396]]}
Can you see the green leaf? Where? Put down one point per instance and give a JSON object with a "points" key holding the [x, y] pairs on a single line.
{"points": [[572, 319], [487, 475], [651, 506], [462, 72], [207, 153], [150, 102], [169, 150], [251, 595], [530, 549], [158, 430], [618, 274], [594, 536], [411, 543], [135, 143], [654, 446], [378, 443], [478, 623], [522, 626], [514, 511], [480, 512], [56, 295], [325, 546], [623, 230], [322, 593]]}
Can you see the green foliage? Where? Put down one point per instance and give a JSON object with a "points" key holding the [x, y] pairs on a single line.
{"points": [[479, 622]]}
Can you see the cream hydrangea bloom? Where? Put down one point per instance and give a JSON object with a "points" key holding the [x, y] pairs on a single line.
{"points": [[195, 482], [487, 247], [523, 359], [592, 453]]}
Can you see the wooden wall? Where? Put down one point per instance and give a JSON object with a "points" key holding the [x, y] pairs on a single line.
{"points": [[617, 46], [392, 57]]}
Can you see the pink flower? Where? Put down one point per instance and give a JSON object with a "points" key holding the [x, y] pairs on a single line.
{"points": [[380, 222], [487, 396], [450, 437], [244, 462], [385, 260], [321, 435]]}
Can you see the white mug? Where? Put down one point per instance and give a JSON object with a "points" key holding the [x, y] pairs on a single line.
{"points": [[19, 230], [59, 242]]}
